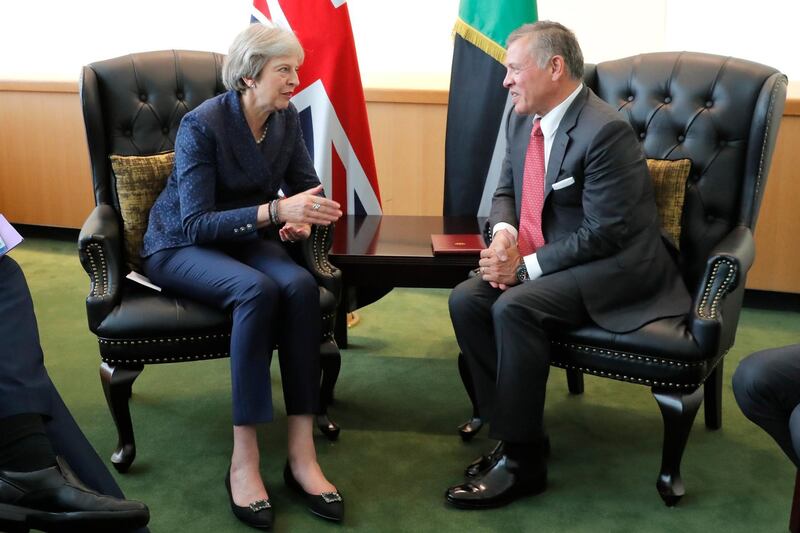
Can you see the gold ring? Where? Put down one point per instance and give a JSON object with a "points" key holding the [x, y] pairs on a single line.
{"points": [[315, 206]]}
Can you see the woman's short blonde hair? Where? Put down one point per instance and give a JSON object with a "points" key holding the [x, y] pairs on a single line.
{"points": [[252, 49]]}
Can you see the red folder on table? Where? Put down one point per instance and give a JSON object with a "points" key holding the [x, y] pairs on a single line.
{"points": [[460, 243]]}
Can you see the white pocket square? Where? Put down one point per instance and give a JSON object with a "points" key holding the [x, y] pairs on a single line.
{"points": [[563, 183]]}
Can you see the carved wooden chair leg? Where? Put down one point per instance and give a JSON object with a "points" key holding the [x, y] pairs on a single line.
{"points": [[331, 363], [471, 427], [118, 386], [678, 409], [713, 398], [574, 381]]}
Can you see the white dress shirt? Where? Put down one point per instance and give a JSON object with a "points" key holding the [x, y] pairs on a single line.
{"points": [[549, 125]]}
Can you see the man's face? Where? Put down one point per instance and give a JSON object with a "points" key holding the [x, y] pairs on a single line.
{"points": [[528, 84]]}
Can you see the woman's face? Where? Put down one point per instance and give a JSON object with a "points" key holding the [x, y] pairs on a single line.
{"points": [[276, 83]]}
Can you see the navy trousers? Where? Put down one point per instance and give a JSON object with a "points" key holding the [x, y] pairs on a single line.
{"points": [[25, 386], [767, 388], [272, 300]]}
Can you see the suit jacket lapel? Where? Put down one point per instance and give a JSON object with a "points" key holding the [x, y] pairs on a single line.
{"points": [[561, 141]]}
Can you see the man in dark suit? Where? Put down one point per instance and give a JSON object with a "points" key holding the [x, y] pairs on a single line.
{"points": [[575, 238], [40, 443]]}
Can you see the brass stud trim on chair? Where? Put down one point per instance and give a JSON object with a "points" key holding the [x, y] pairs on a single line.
{"points": [[765, 140], [623, 377], [627, 355], [163, 339], [321, 257], [98, 276], [173, 359], [720, 293]]}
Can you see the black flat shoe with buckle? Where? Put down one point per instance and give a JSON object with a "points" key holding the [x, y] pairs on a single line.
{"points": [[328, 505], [258, 514]]}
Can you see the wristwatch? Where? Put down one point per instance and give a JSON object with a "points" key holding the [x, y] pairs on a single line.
{"points": [[522, 273]]}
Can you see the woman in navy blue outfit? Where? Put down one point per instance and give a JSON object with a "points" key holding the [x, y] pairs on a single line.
{"points": [[214, 235]]}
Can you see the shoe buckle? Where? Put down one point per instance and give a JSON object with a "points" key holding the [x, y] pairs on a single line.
{"points": [[260, 505], [330, 497]]}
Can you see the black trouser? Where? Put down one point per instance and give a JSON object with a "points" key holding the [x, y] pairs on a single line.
{"points": [[767, 388], [504, 338]]}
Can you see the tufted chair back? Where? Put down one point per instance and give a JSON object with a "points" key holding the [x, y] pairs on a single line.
{"points": [[132, 108], [713, 110]]}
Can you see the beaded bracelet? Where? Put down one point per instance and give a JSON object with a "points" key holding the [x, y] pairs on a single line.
{"points": [[273, 212]]}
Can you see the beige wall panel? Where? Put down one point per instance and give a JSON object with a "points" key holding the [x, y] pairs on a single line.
{"points": [[45, 178], [44, 163], [777, 264], [408, 140]]}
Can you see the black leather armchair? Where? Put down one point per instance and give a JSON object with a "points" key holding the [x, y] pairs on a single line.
{"points": [[133, 105], [723, 114]]}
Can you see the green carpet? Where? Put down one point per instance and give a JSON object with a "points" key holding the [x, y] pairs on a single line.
{"points": [[399, 400]]}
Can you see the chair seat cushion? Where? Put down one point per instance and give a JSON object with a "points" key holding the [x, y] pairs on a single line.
{"points": [[662, 353], [153, 327], [145, 313]]}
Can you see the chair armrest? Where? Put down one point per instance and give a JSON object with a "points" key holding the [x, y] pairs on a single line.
{"points": [[99, 249], [314, 255], [726, 268]]}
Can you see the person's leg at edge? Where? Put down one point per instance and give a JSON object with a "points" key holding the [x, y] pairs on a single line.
{"points": [[765, 385]]}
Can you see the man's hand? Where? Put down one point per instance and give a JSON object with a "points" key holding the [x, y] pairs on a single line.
{"points": [[498, 263]]}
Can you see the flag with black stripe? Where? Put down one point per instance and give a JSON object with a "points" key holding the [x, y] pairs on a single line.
{"points": [[475, 137]]}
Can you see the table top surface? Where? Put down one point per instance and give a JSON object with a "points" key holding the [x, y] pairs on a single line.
{"points": [[390, 237]]}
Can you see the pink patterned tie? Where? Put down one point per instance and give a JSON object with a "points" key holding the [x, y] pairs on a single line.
{"points": [[530, 217]]}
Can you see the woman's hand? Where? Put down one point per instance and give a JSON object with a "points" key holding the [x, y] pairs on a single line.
{"points": [[308, 208], [293, 231]]}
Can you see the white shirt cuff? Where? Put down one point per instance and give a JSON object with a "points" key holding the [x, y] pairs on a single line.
{"points": [[505, 225], [532, 265]]}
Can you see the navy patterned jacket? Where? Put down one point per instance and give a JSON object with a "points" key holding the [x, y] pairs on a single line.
{"points": [[221, 175]]}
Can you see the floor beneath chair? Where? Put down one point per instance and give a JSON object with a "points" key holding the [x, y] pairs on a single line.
{"points": [[399, 401]]}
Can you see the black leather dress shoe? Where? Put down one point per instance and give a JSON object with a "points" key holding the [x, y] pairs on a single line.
{"points": [[53, 499], [328, 505], [505, 481], [258, 514], [485, 461]]}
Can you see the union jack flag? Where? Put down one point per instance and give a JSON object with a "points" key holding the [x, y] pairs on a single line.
{"points": [[330, 99]]}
